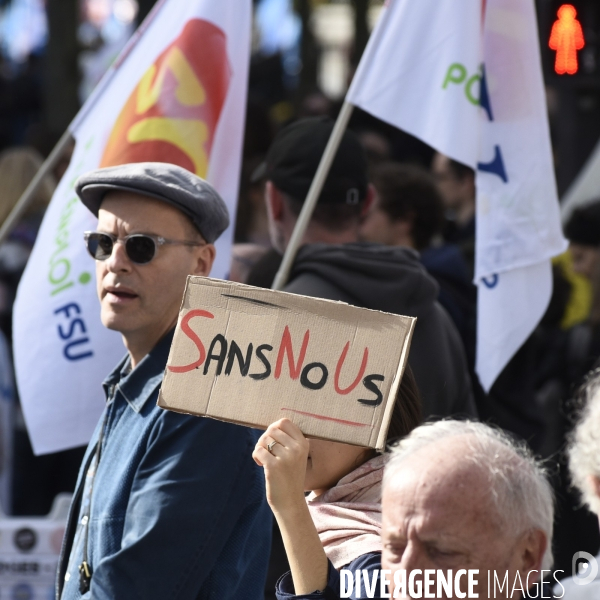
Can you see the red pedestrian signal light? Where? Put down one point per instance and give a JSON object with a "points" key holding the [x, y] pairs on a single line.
{"points": [[566, 38]]}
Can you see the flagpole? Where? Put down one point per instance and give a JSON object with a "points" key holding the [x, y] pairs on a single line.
{"points": [[31, 190], [313, 195]]}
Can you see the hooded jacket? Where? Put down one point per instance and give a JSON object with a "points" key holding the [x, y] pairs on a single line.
{"points": [[392, 279]]}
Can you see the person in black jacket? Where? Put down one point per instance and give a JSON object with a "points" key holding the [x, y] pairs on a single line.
{"points": [[408, 211], [332, 264]]}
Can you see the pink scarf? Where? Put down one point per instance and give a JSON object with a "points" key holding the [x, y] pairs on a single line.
{"points": [[348, 516]]}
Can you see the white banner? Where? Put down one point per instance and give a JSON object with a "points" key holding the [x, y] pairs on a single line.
{"points": [[177, 94], [469, 83], [417, 73]]}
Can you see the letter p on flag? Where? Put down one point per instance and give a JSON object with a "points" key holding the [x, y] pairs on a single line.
{"points": [[420, 72], [176, 94]]}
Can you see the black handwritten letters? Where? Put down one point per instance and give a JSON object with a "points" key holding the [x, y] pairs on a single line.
{"points": [[226, 357]]}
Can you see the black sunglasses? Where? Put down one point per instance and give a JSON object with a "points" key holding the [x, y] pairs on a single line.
{"points": [[141, 248]]}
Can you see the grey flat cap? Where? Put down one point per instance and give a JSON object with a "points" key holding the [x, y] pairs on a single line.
{"points": [[172, 184]]}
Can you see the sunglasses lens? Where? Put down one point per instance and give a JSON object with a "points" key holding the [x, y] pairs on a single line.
{"points": [[99, 245], [140, 249]]}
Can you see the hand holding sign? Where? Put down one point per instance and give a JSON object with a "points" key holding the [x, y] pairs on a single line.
{"points": [[284, 464], [284, 452], [254, 356]]}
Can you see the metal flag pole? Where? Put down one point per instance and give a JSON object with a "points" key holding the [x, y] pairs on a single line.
{"points": [[313, 195], [31, 190]]}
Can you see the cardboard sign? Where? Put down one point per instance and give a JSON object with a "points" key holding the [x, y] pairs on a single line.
{"points": [[252, 356]]}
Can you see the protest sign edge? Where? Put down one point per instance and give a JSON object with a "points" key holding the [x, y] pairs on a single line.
{"points": [[391, 401]]}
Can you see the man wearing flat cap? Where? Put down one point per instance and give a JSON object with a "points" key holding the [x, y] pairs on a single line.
{"points": [[166, 505]]}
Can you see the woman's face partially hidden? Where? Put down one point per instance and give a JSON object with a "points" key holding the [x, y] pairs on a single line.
{"points": [[328, 462]]}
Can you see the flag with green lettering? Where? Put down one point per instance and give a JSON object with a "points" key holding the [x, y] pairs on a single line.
{"points": [[465, 77], [177, 94]]}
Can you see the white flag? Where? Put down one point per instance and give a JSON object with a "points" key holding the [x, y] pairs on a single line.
{"points": [[469, 83], [176, 94]]}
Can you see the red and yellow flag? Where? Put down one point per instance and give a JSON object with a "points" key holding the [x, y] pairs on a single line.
{"points": [[177, 94], [172, 113]]}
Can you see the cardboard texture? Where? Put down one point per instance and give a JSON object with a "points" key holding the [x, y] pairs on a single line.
{"points": [[252, 356]]}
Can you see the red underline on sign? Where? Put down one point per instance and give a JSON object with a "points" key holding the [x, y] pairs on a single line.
{"points": [[324, 418]]}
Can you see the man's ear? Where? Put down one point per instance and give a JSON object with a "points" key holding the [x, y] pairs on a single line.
{"points": [[274, 202], [368, 201], [530, 552], [205, 257], [403, 231], [595, 484]]}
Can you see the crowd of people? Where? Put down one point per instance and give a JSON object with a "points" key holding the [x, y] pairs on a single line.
{"points": [[170, 505]]}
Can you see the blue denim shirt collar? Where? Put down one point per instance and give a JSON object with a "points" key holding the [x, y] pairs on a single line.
{"points": [[138, 385]]}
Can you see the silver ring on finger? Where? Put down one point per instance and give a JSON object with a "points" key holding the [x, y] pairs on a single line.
{"points": [[270, 446]]}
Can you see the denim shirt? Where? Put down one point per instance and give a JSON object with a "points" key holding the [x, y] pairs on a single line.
{"points": [[178, 507]]}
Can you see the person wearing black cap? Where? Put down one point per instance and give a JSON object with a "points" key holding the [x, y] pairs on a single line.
{"points": [[332, 264], [166, 505]]}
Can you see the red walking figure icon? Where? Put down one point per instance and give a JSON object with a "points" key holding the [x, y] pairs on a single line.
{"points": [[566, 38]]}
